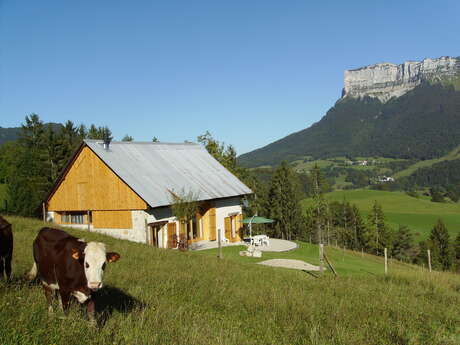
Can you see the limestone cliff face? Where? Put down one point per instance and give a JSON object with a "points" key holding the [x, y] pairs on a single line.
{"points": [[387, 80]]}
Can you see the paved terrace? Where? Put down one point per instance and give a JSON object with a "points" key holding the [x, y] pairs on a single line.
{"points": [[276, 245]]}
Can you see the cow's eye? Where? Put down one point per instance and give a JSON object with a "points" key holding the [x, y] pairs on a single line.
{"points": [[103, 266], [86, 265]]}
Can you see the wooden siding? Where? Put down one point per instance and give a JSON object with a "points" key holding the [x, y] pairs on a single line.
{"points": [[228, 228], [90, 185], [212, 224], [233, 222], [238, 228], [172, 241], [112, 220]]}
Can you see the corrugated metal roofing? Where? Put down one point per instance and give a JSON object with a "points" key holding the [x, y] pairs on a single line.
{"points": [[154, 169]]}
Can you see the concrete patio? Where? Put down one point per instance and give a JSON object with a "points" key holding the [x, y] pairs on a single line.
{"points": [[275, 245]]}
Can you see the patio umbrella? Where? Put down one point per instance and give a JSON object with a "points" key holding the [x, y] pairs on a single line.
{"points": [[256, 220]]}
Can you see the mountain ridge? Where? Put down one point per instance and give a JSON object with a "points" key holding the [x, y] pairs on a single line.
{"points": [[422, 123]]}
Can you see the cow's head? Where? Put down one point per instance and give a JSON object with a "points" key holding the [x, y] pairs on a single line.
{"points": [[94, 259]]}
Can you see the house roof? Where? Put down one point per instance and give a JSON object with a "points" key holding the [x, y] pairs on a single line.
{"points": [[154, 170]]}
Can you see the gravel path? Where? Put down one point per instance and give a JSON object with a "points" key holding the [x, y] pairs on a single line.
{"points": [[288, 263]]}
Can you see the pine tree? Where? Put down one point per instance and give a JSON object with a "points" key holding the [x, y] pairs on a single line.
{"points": [[127, 138], [441, 253], [284, 203], [30, 175], [403, 243], [316, 182], [457, 252], [93, 132], [379, 235]]}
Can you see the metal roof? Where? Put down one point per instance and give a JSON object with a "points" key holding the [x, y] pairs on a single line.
{"points": [[152, 170]]}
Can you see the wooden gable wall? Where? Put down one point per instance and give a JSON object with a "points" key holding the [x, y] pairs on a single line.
{"points": [[90, 185]]}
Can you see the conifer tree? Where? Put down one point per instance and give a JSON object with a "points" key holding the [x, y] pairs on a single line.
{"points": [[457, 252], [284, 203], [29, 178], [127, 138], [93, 132], [403, 243], [440, 246], [379, 235]]}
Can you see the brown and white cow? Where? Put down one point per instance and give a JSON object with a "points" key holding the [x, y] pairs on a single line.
{"points": [[70, 265], [6, 248]]}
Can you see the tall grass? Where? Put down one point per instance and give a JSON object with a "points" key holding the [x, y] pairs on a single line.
{"points": [[154, 296]]}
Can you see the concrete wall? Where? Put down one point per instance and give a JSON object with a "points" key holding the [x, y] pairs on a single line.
{"points": [[226, 208]]}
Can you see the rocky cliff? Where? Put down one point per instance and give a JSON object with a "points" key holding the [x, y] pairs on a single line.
{"points": [[387, 80]]}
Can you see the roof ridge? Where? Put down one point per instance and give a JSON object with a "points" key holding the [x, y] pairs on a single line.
{"points": [[100, 141]]}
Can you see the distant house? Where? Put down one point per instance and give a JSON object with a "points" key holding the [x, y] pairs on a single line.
{"points": [[383, 179], [125, 190]]}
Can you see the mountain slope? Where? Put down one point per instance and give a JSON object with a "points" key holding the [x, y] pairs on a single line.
{"points": [[422, 124], [8, 134]]}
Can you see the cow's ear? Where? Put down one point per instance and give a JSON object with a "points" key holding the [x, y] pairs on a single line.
{"points": [[75, 254], [112, 256]]}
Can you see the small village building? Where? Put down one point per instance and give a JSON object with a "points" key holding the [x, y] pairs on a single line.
{"points": [[124, 189]]}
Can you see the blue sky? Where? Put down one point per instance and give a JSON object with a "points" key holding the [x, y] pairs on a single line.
{"points": [[250, 72]]}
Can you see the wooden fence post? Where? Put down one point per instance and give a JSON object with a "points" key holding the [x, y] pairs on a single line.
{"points": [[321, 258], [386, 261], [362, 252], [219, 233], [330, 265], [429, 260], [44, 212]]}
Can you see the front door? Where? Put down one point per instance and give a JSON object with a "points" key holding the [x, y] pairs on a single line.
{"points": [[172, 237]]}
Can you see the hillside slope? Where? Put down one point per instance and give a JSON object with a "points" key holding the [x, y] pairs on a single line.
{"points": [[422, 124], [419, 214], [154, 296], [9, 134]]}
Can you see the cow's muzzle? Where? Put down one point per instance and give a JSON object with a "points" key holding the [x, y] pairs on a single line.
{"points": [[94, 285]]}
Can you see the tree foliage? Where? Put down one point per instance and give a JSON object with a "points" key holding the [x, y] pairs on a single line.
{"points": [[439, 243], [283, 203], [31, 165]]}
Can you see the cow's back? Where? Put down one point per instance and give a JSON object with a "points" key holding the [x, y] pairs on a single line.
{"points": [[6, 238], [52, 250]]}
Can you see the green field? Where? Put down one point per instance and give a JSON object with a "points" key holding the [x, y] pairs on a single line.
{"points": [[420, 214], [454, 154], [154, 296], [346, 262]]}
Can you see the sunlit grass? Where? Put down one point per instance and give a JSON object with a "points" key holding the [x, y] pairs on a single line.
{"points": [[420, 214], [154, 296]]}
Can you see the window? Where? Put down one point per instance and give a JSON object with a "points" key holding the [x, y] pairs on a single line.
{"points": [[76, 218], [73, 217]]}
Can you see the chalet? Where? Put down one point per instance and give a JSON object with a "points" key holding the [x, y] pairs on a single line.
{"points": [[124, 189]]}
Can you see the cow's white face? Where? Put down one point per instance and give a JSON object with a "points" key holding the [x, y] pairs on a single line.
{"points": [[94, 264]]}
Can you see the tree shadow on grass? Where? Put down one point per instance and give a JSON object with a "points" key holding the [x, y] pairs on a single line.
{"points": [[110, 299]]}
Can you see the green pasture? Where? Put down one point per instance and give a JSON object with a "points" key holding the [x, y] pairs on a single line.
{"points": [[346, 262], [159, 296], [420, 214], [454, 154]]}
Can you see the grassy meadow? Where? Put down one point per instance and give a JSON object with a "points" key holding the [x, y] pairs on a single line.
{"points": [[454, 154], [345, 262], [155, 296], [420, 214]]}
